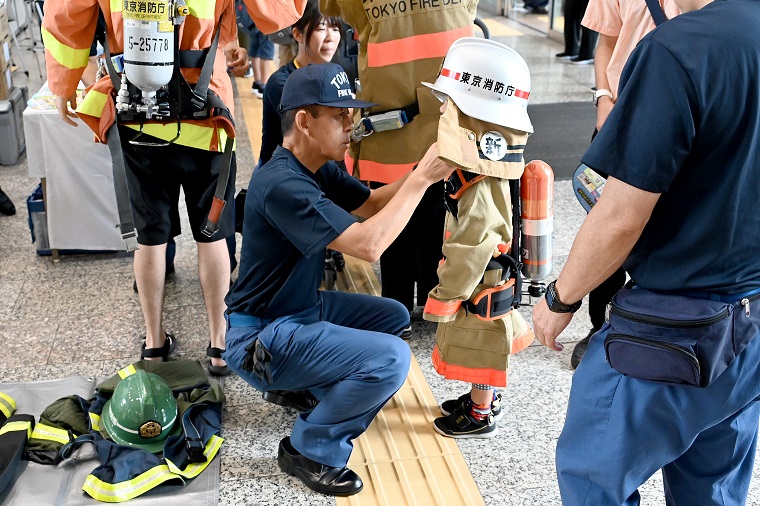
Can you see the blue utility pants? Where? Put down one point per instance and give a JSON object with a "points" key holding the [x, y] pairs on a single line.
{"points": [[620, 430], [345, 350]]}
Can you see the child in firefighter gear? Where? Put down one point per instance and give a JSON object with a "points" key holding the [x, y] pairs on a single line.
{"points": [[483, 131], [286, 334], [151, 423], [398, 49], [193, 157]]}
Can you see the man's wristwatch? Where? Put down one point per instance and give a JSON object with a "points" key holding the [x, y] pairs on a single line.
{"points": [[556, 305], [599, 94]]}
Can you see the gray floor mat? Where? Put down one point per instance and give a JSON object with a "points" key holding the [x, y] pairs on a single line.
{"points": [[61, 485]]}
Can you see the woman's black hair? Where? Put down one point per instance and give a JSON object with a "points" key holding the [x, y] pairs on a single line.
{"points": [[311, 19]]}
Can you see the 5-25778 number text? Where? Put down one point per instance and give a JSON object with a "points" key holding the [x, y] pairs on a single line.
{"points": [[147, 43]]}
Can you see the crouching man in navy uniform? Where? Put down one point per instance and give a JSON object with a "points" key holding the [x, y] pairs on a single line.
{"points": [[283, 332]]}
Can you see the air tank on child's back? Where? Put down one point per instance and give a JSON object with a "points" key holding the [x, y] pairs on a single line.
{"points": [[537, 224]]}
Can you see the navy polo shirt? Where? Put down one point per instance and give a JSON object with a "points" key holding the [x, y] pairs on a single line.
{"points": [[271, 126], [687, 125], [291, 215]]}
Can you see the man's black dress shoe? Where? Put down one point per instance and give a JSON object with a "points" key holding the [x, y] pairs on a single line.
{"points": [[301, 400], [325, 479]]}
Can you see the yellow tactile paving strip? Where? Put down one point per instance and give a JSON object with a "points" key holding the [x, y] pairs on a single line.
{"points": [[403, 461], [357, 277], [400, 458]]}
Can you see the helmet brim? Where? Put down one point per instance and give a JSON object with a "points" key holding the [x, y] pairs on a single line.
{"points": [[469, 106]]}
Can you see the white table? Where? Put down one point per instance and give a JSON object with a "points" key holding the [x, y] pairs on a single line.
{"points": [[79, 193]]}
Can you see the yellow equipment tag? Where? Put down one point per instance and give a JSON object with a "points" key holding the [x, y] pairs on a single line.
{"points": [[145, 10], [165, 26]]}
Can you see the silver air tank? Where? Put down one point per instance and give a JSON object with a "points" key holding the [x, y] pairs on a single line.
{"points": [[149, 45]]}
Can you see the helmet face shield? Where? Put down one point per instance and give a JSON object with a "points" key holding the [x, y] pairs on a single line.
{"points": [[442, 97], [487, 81], [142, 412]]}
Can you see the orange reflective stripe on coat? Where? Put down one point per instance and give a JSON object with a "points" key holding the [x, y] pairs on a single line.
{"points": [[440, 308], [378, 172], [482, 376], [522, 342], [416, 47]]}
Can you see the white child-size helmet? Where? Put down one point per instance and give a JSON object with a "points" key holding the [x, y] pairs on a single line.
{"points": [[487, 81]]}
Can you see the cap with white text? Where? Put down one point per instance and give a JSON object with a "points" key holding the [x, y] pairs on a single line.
{"points": [[322, 84]]}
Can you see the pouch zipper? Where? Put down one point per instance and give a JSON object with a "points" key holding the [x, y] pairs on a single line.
{"points": [[656, 344], [677, 324]]}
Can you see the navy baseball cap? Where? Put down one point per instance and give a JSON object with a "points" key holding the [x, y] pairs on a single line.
{"points": [[322, 84]]}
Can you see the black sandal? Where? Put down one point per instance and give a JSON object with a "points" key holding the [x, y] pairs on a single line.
{"points": [[170, 344], [216, 370]]}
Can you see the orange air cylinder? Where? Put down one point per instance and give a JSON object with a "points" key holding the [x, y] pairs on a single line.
{"points": [[537, 222]]}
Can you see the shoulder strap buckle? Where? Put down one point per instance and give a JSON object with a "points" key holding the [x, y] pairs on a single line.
{"points": [[194, 447]]}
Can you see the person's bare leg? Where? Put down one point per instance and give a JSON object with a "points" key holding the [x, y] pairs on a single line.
{"points": [[150, 271], [482, 397], [214, 273], [256, 64], [265, 69]]}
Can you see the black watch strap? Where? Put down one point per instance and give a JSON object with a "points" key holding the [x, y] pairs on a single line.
{"points": [[556, 305]]}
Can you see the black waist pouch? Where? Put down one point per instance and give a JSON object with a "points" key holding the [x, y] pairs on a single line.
{"points": [[676, 339]]}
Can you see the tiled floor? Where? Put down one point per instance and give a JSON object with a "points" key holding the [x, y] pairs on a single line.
{"points": [[80, 317]]}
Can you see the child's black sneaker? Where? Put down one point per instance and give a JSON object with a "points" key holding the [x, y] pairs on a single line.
{"points": [[460, 424], [449, 406]]}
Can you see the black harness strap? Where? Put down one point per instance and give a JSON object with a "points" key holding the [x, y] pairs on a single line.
{"points": [[115, 78], [201, 87], [411, 111], [193, 437], [494, 303], [459, 181], [192, 58], [514, 192], [218, 204], [124, 208]]}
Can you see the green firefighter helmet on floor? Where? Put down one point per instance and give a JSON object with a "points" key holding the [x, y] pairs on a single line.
{"points": [[141, 413]]}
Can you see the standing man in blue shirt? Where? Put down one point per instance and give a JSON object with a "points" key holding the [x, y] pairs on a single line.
{"points": [[680, 213], [283, 332]]}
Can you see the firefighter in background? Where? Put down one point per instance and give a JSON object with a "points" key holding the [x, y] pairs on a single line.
{"points": [[484, 86], [194, 155], [397, 51]]}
